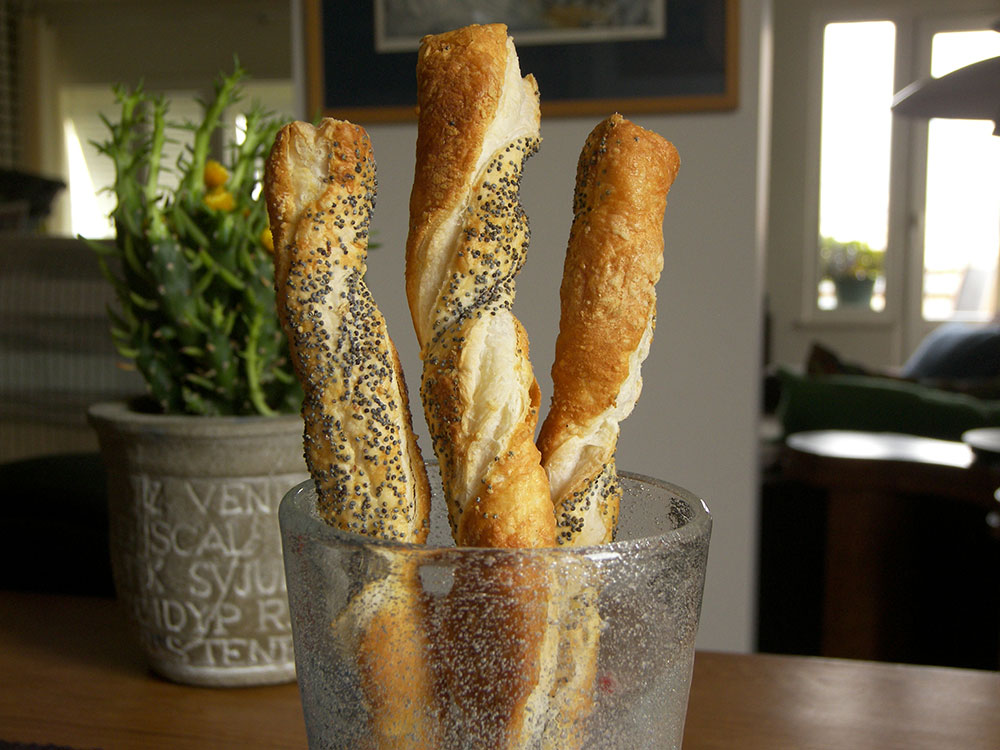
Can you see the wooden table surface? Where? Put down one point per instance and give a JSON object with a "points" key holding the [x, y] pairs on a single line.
{"points": [[70, 677]]}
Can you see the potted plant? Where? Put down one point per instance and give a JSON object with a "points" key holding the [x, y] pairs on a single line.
{"points": [[198, 465], [853, 268]]}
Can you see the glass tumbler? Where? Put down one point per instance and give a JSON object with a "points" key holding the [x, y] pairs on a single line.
{"points": [[433, 646]]}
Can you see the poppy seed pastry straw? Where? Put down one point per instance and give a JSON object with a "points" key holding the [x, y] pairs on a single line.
{"points": [[607, 316], [468, 236], [359, 443]]}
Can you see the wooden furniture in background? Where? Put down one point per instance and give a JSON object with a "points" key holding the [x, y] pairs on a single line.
{"points": [[910, 562]]}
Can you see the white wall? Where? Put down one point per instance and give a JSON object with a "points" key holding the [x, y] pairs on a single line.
{"points": [[695, 424], [167, 43]]}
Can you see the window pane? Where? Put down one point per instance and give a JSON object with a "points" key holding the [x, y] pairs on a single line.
{"points": [[854, 163], [962, 203], [89, 172]]}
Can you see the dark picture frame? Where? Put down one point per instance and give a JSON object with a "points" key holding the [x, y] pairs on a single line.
{"points": [[689, 65]]}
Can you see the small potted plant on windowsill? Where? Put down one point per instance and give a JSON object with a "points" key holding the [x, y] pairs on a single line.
{"points": [[197, 466], [853, 268]]}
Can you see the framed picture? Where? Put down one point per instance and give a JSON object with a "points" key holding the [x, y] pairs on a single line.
{"points": [[588, 56]]}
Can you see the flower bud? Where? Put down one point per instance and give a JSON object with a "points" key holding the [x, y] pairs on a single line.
{"points": [[215, 175], [219, 199]]}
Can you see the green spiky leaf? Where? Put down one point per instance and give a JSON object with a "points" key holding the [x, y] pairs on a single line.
{"points": [[195, 311]]}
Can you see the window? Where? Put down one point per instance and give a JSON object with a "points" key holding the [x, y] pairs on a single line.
{"points": [[919, 200], [962, 197], [89, 172], [858, 64]]}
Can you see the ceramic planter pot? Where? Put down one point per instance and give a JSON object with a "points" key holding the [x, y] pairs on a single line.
{"points": [[854, 292], [194, 538]]}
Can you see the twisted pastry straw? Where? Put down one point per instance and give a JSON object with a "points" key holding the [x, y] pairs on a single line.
{"points": [[359, 443], [467, 241], [468, 235], [608, 313], [386, 627]]}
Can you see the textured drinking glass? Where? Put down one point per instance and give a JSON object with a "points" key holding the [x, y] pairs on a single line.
{"points": [[432, 646]]}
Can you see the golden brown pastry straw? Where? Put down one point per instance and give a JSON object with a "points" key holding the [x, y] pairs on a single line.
{"points": [[467, 241], [608, 313], [359, 442]]}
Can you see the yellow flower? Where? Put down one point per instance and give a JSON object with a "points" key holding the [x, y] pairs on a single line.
{"points": [[219, 199], [267, 240], [215, 175]]}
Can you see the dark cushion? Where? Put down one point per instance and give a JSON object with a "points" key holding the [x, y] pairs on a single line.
{"points": [[956, 350]]}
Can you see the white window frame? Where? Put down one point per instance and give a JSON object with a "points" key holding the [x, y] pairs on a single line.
{"points": [[904, 261], [915, 327], [899, 140]]}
